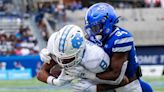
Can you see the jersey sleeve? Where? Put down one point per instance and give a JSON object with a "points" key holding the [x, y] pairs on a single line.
{"points": [[123, 43], [104, 62], [96, 59], [101, 64]]}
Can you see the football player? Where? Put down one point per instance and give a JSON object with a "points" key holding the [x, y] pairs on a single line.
{"points": [[101, 20], [69, 49]]}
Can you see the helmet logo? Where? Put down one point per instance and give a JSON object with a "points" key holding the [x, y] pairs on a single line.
{"points": [[77, 41], [101, 8]]}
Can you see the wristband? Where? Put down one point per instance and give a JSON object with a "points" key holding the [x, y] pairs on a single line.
{"points": [[50, 80]]}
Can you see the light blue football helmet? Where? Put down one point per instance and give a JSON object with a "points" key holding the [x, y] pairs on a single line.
{"points": [[100, 19]]}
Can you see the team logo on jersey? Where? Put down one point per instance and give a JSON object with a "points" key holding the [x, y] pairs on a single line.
{"points": [[77, 41]]}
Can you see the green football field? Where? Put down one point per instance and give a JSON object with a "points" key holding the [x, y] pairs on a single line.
{"points": [[34, 85]]}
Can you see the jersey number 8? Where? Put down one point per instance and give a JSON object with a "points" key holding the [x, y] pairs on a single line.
{"points": [[103, 65]]}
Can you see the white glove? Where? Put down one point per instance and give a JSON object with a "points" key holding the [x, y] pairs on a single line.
{"points": [[61, 80], [81, 72], [84, 86], [44, 55], [65, 77]]}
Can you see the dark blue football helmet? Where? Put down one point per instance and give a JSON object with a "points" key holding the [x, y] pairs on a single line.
{"points": [[100, 19]]}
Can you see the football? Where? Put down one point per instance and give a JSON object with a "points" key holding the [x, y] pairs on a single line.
{"points": [[55, 71]]}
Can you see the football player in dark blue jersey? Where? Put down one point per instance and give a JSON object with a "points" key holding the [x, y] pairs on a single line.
{"points": [[118, 43]]}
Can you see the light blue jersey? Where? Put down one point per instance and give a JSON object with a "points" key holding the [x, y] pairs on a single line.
{"points": [[121, 40]]}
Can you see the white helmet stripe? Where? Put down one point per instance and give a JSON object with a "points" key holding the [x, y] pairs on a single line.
{"points": [[63, 38], [86, 20]]}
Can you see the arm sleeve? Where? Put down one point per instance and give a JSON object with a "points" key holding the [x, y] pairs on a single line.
{"points": [[123, 44]]}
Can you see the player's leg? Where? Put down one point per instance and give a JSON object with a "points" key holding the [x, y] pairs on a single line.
{"points": [[83, 85], [145, 86], [134, 86]]}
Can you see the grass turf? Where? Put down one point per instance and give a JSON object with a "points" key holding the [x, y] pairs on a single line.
{"points": [[33, 85]]}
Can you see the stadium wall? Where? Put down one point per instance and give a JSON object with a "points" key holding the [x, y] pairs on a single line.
{"points": [[27, 62], [151, 59]]}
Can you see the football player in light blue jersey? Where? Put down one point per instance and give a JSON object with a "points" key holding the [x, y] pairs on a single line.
{"points": [[118, 43], [76, 56]]}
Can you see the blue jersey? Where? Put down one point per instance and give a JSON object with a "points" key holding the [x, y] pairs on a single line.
{"points": [[121, 40]]}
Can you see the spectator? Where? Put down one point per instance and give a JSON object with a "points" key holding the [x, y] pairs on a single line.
{"points": [[162, 3], [25, 51], [3, 47], [9, 8], [18, 65], [61, 11], [38, 66], [1, 6], [24, 45], [17, 50], [152, 3], [76, 5], [2, 65]]}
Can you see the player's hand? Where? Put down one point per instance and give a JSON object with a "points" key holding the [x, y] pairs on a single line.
{"points": [[42, 75], [44, 55], [81, 72], [84, 86], [65, 77]]}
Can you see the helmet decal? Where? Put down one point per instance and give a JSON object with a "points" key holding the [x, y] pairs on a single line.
{"points": [[77, 41], [63, 39]]}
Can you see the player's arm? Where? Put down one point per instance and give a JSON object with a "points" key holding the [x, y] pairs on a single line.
{"points": [[103, 87], [113, 74], [114, 77], [119, 60], [116, 71], [44, 71], [45, 76]]}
